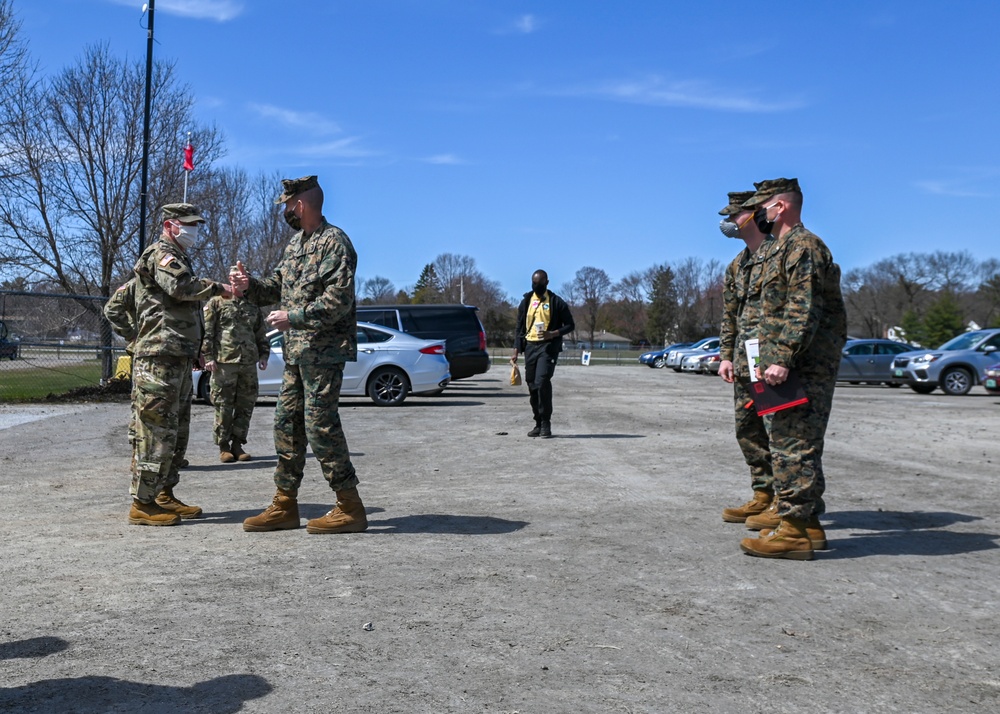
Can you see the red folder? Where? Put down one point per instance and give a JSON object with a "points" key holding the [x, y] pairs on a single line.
{"points": [[768, 398]]}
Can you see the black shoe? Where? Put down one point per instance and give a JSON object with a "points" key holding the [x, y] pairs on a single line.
{"points": [[546, 430], [537, 430]]}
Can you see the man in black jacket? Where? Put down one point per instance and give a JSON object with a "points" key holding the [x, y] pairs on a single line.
{"points": [[542, 319]]}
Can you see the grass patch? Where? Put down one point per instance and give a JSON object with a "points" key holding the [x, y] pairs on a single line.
{"points": [[25, 385]]}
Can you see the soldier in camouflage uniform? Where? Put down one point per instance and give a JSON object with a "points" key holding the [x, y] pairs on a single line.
{"points": [[741, 314], [168, 338], [802, 327], [314, 283], [234, 345]]}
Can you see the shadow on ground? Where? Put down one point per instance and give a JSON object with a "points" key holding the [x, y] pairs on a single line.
{"points": [[901, 533], [94, 695]]}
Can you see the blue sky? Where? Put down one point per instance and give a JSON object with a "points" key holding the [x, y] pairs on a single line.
{"points": [[587, 132]]}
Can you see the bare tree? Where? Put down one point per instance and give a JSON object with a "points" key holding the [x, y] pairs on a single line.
{"points": [[377, 290], [590, 289], [70, 202], [628, 312]]}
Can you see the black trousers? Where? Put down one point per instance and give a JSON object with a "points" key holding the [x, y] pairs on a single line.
{"points": [[539, 365]]}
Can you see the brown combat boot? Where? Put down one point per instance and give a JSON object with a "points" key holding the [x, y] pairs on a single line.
{"points": [[226, 453], [168, 502], [281, 515], [238, 452], [150, 514], [348, 516], [755, 506], [766, 520], [789, 540]]}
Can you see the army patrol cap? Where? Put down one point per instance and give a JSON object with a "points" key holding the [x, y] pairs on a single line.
{"points": [[293, 187], [182, 212], [736, 201], [772, 187]]}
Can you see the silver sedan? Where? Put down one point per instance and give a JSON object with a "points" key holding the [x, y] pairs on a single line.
{"points": [[390, 366]]}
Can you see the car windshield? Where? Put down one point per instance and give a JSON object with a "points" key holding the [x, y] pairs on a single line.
{"points": [[963, 342]]}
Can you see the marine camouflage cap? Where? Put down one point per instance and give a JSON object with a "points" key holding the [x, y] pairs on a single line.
{"points": [[736, 201], [182, 212], [772, 187], [293, 187]]}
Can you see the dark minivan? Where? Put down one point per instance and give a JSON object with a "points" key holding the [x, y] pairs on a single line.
{"points": [[458, 325]]}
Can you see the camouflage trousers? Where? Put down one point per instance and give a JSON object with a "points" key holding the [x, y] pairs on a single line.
{"points": [[161, 407], [753, 439], [308, 415], [234, 394], [797, 440]]}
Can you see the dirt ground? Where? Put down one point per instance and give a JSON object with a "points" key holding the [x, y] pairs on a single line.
{"points": [[586, 573]]}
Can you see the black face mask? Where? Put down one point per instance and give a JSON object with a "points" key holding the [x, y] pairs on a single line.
{"points": [[760, 218], [539, 288], [294, 221]]}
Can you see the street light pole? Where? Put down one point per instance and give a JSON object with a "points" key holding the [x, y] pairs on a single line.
{"points": [[145, 129]]}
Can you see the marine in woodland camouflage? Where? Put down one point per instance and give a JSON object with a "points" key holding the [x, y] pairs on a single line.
{"points": [[315, 283]]}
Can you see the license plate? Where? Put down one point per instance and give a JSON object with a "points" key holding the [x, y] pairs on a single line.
{"points": [[991, 384], [898, 373]]}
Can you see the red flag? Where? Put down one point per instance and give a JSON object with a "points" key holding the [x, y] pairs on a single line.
{"points": [[189, 157]]}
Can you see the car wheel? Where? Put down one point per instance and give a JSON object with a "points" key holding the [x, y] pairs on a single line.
{"points": [[388, 387], [956, 382], [894, 385], [659, 363], [205, 387], [922, 388]]}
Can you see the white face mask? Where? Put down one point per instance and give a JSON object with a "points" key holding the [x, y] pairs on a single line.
{"points": [[187, 236]]}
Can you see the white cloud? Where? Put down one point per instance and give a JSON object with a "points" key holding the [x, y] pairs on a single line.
{"points": [[655, 91], [346, 148], [310, 121], [218, 10], [444, 160], [524, 25], [948, 188]]}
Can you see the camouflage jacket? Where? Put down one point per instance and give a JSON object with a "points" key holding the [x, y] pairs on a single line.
{"points": [[168, 309], [314, 283], [741, 304], [803, 323], [235, 332], [119, 311]]}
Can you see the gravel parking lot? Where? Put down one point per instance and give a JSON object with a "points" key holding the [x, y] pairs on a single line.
{"points": [[586, 573]]}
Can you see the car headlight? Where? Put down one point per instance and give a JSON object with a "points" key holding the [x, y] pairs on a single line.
{"points": [[993, 373], [927, 358]]}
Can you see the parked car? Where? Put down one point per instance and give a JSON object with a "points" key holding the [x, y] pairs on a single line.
{"points": [[9, 347], [658, 358], [676, 357], [870, 361], [700, 363], [992, 379], [955, 367], [390, 366], [458, 325]]}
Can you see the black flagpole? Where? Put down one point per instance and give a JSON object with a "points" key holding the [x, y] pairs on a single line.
{"points": [[145, 130]]}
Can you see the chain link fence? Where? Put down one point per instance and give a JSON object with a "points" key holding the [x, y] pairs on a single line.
{"points": [[51, 344]]}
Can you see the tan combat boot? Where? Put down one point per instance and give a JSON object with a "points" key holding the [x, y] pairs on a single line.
{"points": [[281, 515], [765, 520], [226, 453], [238, 452], [348, 516], [813, 529], [755, 506], [150, 514], [788, 540], [168, 502]]}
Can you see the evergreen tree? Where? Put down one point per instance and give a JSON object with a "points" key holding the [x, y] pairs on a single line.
{"points": [[428, 287], [913, 328], [943, 320], [661, 316]]}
